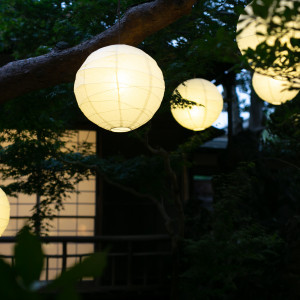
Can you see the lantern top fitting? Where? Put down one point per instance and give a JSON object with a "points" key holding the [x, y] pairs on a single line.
{"points": [[119, 87]]}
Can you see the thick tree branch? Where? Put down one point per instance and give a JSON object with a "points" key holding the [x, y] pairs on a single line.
{"points": [[20, 77]]}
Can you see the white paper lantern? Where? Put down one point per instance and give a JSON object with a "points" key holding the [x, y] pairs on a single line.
{"points": [[119, 88], [204, 93], [250, 26], [4, 211], [272, 90]]}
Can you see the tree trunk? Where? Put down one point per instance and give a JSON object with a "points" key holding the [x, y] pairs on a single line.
{"points": [[235, 124], [175, 269], [256, 113]]}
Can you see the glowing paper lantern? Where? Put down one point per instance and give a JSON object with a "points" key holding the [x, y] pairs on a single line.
{"points": [[272, 90], [250, 26], [4, 212], [119, 88], [207, 110]]}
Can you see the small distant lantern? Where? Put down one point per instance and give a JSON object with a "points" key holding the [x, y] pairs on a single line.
{"points": [[4, 211], [254, 30], [272, 90], [209, 104], [119, 88]]}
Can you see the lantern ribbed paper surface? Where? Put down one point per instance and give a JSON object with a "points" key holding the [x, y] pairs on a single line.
{"points": [[4, 212], [119, 88], [204, 93], [272, 90], [250, 26]]}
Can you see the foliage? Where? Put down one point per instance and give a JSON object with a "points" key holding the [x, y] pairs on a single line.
{"points": [[20, 281], [178, 102], [29, 28], [283, 132], [238, 256], [33, 135], [137, 172], [242, 266], [247, 247], [199, 45], [275, 50]]}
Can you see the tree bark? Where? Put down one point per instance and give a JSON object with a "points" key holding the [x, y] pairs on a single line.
{"points": [[256, 113], [138, 22], [235, 124]]}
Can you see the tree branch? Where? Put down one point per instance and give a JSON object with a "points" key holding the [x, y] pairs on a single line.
{"points": [[175, 191], [154, 200], [138, 22]]}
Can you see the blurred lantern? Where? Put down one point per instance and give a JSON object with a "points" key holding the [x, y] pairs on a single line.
{"points": [[4, 211], [253, 30], [205, 112], [272, 90], [119, 88]]}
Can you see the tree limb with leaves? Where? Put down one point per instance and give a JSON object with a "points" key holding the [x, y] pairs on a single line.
{"points": [[140, 21]]}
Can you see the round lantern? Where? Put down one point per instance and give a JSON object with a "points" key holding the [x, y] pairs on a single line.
{"points": [[209, 104], [248, 26], [119, 88], [4, 211], [254, 30], [272, 90]]}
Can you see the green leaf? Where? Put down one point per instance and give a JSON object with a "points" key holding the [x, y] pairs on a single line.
{"points": [[28, 257], [9, 286], [295, 42], [92, 266], [260, 10], [68, 292]]}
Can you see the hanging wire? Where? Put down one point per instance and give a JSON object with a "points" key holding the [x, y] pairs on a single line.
{"points": [[233, 68], [119, 23]]}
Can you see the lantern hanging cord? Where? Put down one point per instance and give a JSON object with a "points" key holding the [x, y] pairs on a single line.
{"points": [[119, 23]]}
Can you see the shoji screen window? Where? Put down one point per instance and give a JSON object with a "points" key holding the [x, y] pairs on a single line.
{"points": [[76, 219]]}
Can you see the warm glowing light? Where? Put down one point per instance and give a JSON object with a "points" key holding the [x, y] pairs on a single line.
{"points": [[272, 90], [119, 88], [4, 211], [207, 110], [254, 31]]}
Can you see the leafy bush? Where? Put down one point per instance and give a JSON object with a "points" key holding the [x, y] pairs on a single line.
{"points": [[20, 281], [245, 265]]}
